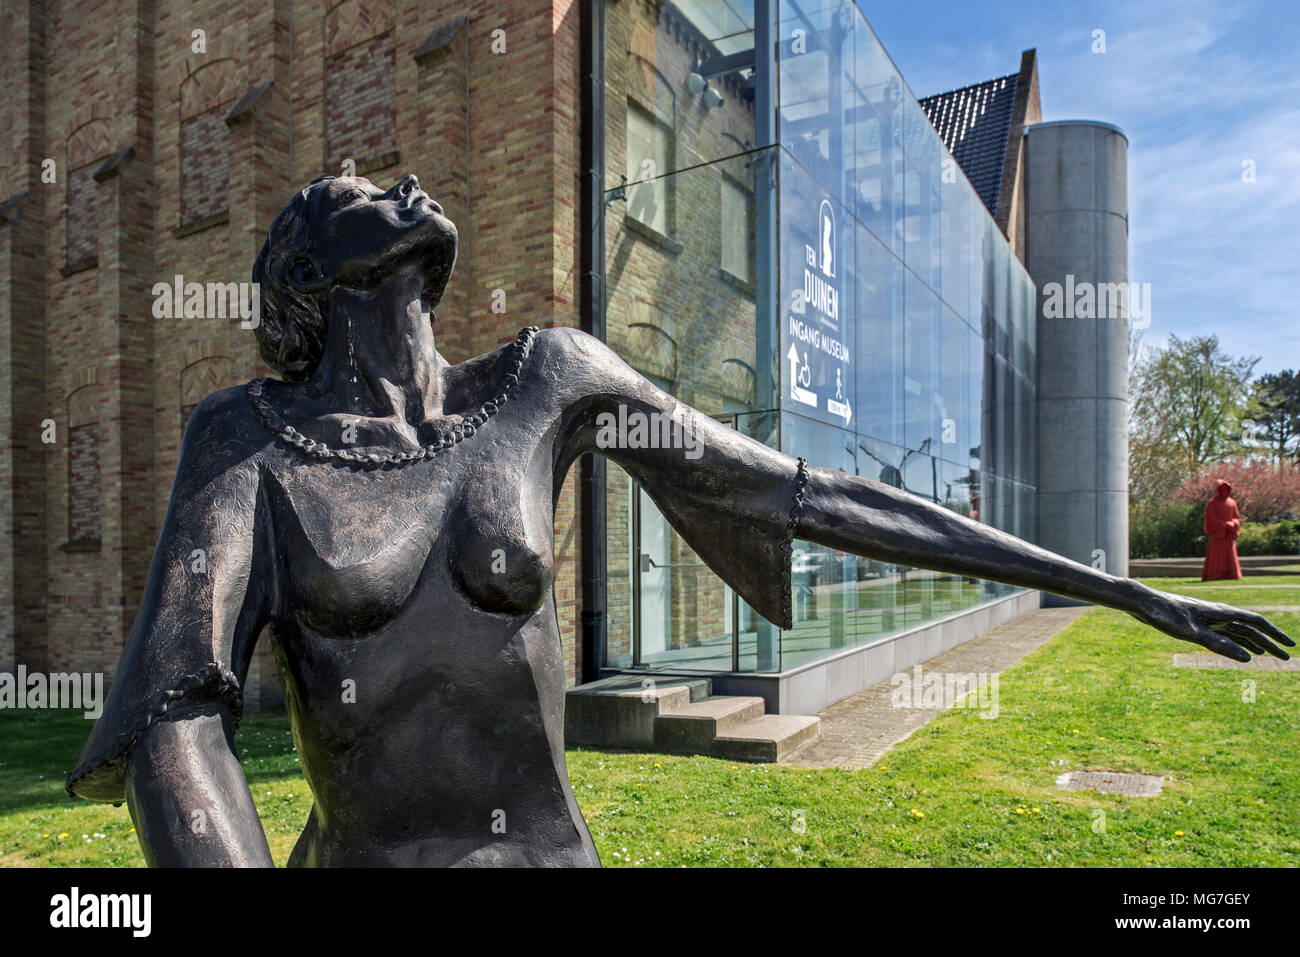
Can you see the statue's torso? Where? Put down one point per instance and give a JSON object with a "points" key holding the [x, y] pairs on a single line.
{"points": [[416, 635]]}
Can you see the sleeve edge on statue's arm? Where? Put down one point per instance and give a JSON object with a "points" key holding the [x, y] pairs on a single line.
{"points": [[103, 776], [787, 546]]}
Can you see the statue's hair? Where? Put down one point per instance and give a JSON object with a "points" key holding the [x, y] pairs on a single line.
{"points": [[291, 331]]}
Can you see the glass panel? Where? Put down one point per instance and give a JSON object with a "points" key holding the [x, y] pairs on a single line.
{"points": [[923, 156], [668, 611], [684, 610], [691, 66], [956, 248], [758, 640], [954, 437], [819, 282], [923, 399], [1029, 439], [647, 159], [980, 237], [880, 589], [975, 396], [684, 315], [816, 88], [737, 229], [822, 580], [1002, 299], [683, 312], [875, 173], [879, 332]]}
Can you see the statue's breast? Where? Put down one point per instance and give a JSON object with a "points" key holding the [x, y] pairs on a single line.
{"points": [[499, 536], [351, 545], [354, 546]]}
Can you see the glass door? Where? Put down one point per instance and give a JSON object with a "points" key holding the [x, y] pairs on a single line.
{"points": [[684, 616]]}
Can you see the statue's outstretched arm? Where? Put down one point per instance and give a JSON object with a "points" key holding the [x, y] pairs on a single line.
{"points": [[164, 742], [873, 519], [736, 501]]}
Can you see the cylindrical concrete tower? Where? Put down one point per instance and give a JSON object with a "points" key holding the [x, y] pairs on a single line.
{"points": [[1076, 250]]}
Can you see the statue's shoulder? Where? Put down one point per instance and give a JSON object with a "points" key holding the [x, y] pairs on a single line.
{"points": [[226, 408], [570, 354], [563, 367], [222, 433], [567, 343], [575, 357]]}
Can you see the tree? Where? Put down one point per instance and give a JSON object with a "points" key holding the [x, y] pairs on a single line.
{"points": [[1275, 412], [1155, 466], [1188, 401], [1264, 494]]}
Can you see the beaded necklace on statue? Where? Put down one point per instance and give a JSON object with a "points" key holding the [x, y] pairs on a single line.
{"points": [[462, 430]]}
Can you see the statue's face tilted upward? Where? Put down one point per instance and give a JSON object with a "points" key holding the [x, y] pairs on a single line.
{"points": [[344, 232], [361, 234]]}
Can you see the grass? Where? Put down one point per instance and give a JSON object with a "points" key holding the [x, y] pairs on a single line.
{"points": [[1256, 590], [40, 826], [961, 791]]}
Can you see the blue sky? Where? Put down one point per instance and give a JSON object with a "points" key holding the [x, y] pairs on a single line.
{"points": [[1199, 87]]}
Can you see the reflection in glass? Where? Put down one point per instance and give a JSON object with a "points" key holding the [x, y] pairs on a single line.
{"points": [[840, 218]]}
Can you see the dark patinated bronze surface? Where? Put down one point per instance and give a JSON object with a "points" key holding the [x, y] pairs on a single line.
{"points": [[389, 517]]}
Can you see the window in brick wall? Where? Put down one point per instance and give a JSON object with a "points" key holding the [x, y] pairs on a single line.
{"points": [[649, 143], [205, 165], [199, 379], [737, 229], [83, 483], [360, 92], [83, 218]]}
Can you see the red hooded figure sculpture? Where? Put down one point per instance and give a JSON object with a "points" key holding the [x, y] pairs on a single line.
{"points": [[1223, 525]]}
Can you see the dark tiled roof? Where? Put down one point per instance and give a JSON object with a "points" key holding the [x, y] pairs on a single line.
{"points": [[973, 123]]}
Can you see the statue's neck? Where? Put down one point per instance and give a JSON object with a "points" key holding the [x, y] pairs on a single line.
{"points": [[380, 358]]}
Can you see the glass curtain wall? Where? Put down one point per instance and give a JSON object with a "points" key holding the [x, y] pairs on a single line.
{"points": [[824, 278], [687, 301]]}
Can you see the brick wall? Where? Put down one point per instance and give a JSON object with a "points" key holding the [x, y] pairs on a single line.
{"points": [[179, 137], [83, 218], [83, 483], [360, 114], [205, 165]]}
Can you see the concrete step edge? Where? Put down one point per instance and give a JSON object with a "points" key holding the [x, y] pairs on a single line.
{"points": [[786, 727], [724, 711]]}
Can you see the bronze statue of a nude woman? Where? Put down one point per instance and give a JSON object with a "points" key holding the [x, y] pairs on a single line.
{"points": [[362, 507]]}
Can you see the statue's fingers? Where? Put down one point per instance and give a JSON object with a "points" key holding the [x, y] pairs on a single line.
{"points": [[1253, 637], [1261, 623], [1248, 639], [1222, 645]]}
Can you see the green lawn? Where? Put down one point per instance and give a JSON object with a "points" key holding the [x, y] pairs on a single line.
{"points": [[1256, 590], [961, 791]]}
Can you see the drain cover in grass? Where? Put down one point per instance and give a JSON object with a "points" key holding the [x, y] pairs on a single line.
{"points": [[1202, 660], [1111, 782]]}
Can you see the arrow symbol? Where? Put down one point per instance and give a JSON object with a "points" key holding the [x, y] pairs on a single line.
{"points": [[793, 356]]}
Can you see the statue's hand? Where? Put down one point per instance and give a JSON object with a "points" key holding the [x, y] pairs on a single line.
{"points": [[1223, 629]]}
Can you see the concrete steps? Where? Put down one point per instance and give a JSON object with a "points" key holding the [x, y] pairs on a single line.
{"points": [[681, 716], [770, 738]]}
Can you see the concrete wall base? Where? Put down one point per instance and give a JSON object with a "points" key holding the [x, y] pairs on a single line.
{"points": [[818, 684]]}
